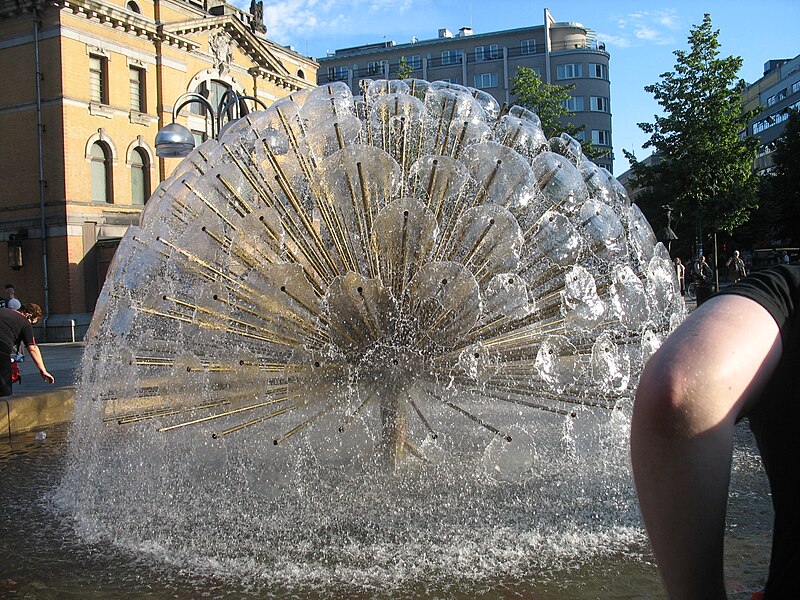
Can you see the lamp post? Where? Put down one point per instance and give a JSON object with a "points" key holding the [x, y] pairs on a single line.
{"points": [[176, 141]]}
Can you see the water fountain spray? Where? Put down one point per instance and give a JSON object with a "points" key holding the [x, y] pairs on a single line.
{"points": [[407, 259]]}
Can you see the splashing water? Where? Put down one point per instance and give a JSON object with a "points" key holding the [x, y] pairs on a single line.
{"points": [[372, 340]]}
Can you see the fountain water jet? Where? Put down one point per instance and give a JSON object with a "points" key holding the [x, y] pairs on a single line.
{"points": [[409, 278]]}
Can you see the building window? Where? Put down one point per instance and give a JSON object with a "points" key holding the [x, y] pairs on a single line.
{"points": [[795, 87], [486, 80], [138, 97], [140, 177], [570, 71], [101, 172], [415, 62], [213, 91], [374, 67], [775, 119], [598, 71], [456, 80], [527, 47], [133, 7], [598, 103], [574, 104], [337, 73], [601, 137], [451, 57], [489, 52], [98, 79], [777, 97]]}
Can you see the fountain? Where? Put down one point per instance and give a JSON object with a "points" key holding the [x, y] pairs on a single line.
{"points": [[372, 341]]}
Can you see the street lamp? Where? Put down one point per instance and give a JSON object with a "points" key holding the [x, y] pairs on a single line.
{"points": [[176, 141]]}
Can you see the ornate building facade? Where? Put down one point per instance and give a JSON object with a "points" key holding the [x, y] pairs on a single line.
{"points": [[89, 83]]}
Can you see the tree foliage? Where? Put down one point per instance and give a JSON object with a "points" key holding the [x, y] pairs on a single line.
{"points": [[548, 101], [404, 70], [703, 169]]}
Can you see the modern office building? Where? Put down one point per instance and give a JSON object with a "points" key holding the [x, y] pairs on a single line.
{"points": [[561, 53], [88, 84], [777, 92]]}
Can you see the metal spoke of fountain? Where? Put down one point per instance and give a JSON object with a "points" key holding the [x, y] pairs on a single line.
{"points": [[399, 259]]}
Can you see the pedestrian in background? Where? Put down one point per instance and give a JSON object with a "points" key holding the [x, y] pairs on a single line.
{"points": [[16, 327], [680, 271], [9, 299], [703, 278], [736, 267]]}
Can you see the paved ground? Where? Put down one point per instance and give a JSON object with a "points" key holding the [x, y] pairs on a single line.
{"points": [[61, 359]]}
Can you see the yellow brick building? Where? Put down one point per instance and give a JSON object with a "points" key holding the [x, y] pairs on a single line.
{"points": [[87, 85]]}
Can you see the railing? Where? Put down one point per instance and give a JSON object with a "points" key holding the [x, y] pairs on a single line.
{"points": [[519, 51], [330, 77], [485, 57], [579, 45], [368, 72], [450, 61]]}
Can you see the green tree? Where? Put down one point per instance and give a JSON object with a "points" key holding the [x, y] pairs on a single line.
{"points": [[702, 169], [404, 70], [548, 101]]}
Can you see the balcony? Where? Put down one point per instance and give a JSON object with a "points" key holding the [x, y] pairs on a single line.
{"points": [[524, 52], [577, 45]]}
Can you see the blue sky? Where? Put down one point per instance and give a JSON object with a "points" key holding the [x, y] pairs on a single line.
{"points": [[640, 36]]}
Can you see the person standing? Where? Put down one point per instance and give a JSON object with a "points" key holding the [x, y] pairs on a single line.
{"points": [[10, 300], [703, 277], [736, 267], [680, 271], [17, 327]]}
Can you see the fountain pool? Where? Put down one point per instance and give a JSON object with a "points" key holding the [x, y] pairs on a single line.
{"points": [[42, 555]]}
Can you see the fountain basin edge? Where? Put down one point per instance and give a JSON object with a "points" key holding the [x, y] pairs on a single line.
{"points": [[27, 412]]}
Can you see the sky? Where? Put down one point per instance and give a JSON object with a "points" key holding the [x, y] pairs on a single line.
{"points": [[640, 37]]}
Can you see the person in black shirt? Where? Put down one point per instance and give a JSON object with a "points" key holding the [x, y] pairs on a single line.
{"points": [[15, 328], [737, 355]]}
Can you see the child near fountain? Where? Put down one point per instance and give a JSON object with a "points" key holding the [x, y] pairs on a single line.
{"points": [[17, 327], [736, 356]]}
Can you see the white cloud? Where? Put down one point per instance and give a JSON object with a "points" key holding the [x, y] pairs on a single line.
{"points": [[292, 20], [646, 33], [612, 40], [644, 27]]}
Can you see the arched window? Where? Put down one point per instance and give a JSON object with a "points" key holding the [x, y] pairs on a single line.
{"points": [[140, 177], [300, 74], [101, 172], [213, 90], [133, 7]]}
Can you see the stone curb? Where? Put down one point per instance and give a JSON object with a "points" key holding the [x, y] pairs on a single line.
{"points": [[23, 413]]}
